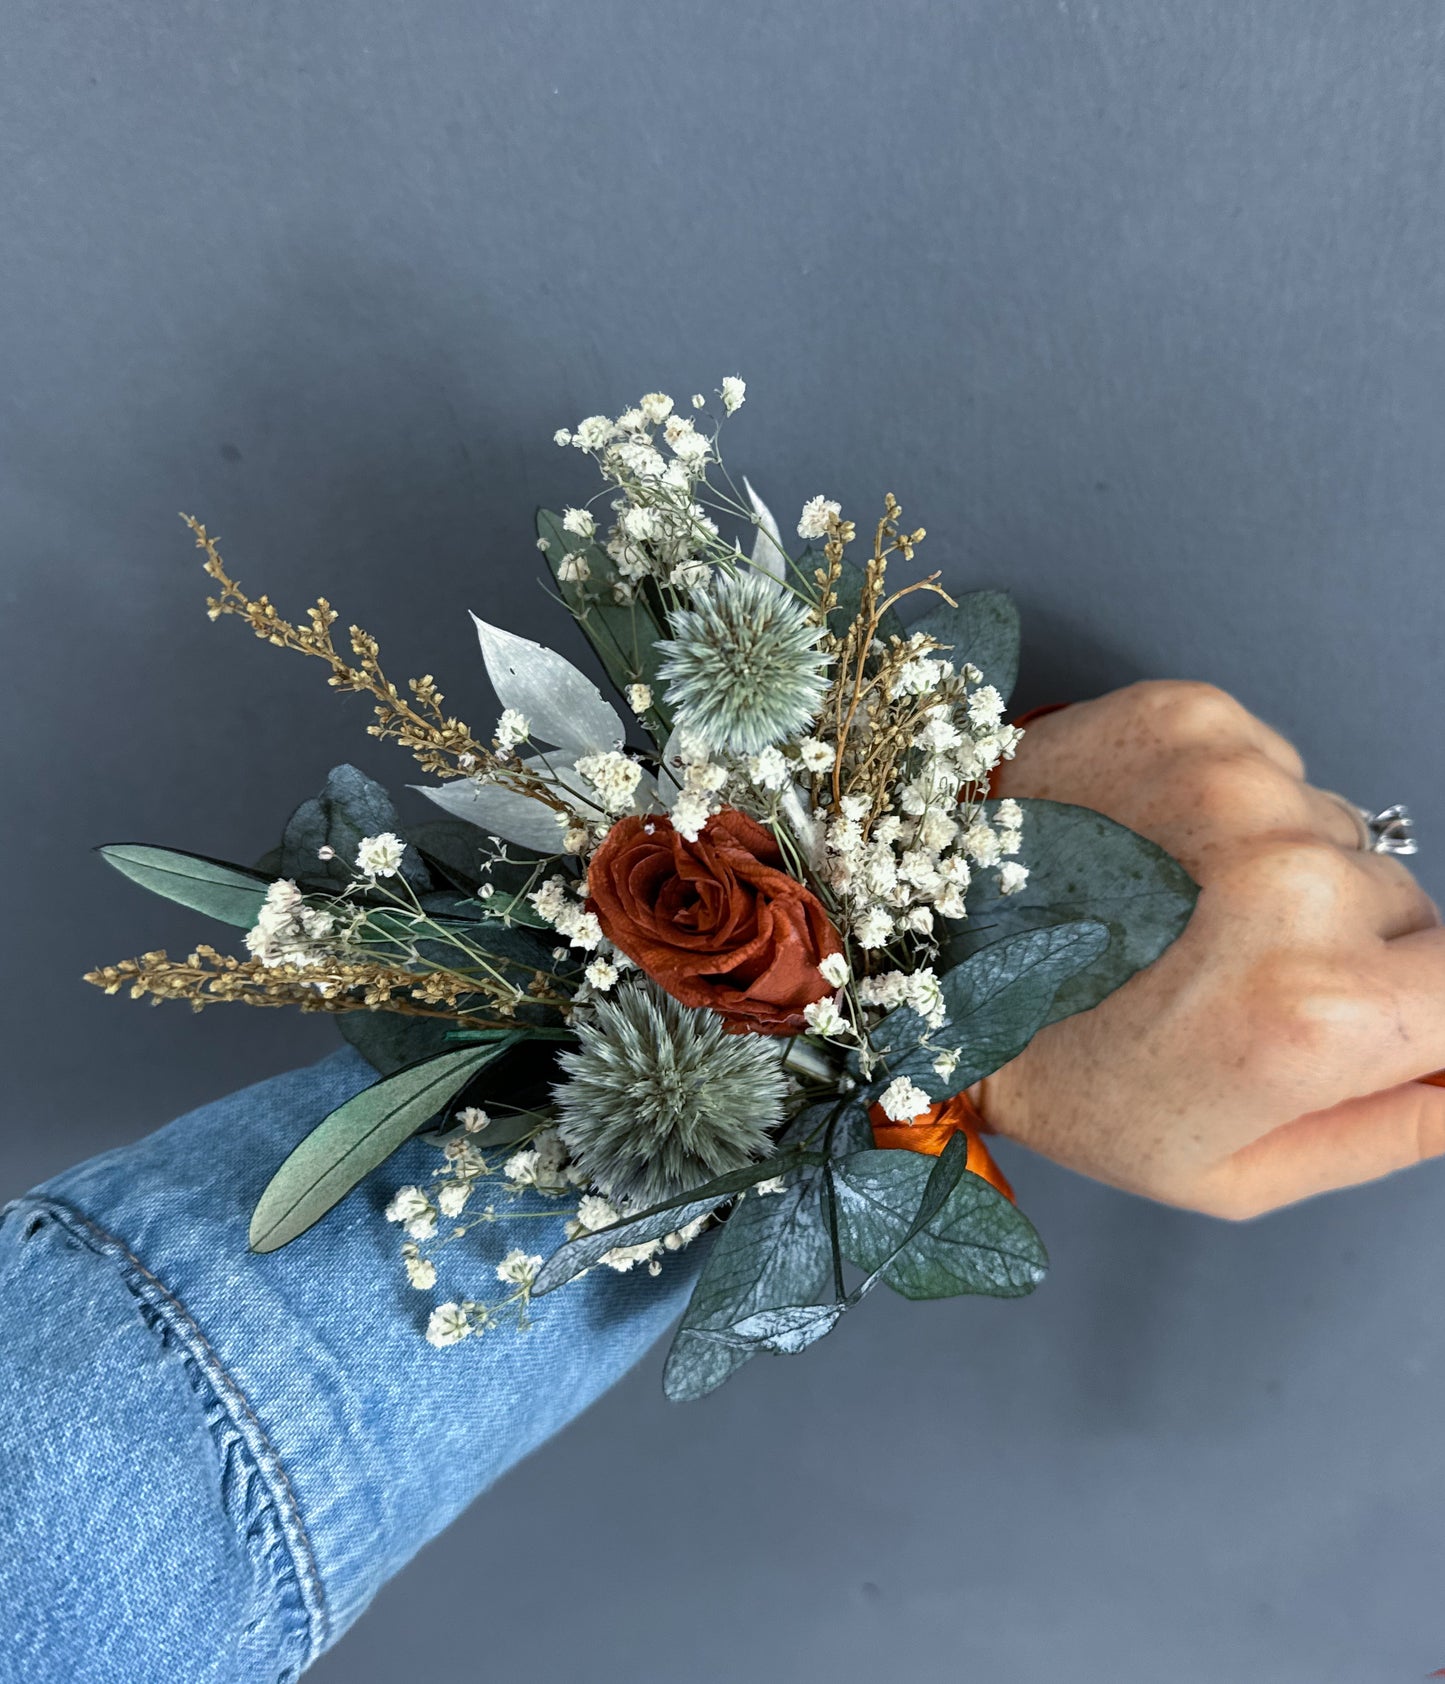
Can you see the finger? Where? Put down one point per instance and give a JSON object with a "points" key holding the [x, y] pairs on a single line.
{"points": [[1359, 1141], [1404, 981], [1334, 817], [1276, 747], [1395, 905]]}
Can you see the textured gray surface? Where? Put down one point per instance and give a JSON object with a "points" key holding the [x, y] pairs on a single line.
{"points": [[1138, 306]]}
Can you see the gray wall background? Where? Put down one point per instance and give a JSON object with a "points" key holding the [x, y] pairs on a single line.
{"points": [[1138, 307]]}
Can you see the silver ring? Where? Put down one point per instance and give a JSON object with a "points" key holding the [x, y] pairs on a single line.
{"points": [[1390, 831]]}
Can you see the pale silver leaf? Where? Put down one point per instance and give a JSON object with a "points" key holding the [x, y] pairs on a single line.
{"points": [[805, 825], [522, 818], [768, 555], [560, 704]]}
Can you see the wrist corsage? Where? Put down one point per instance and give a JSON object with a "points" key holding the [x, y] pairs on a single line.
{"points": [[726, 954]]}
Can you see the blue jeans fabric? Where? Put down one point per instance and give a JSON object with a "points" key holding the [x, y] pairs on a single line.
{"points": [[209, 1460]]}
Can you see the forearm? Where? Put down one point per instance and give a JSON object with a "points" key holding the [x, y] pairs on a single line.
{"points": [[226, 1454]]}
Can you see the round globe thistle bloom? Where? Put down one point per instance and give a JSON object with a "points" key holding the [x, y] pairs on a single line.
{"points": [[743, 667], [660, 1097]]}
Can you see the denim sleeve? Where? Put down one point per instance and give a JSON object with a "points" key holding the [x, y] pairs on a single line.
{"points": [[210, 1461]]}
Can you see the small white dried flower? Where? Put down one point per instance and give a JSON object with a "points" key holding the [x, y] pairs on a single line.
{"points": [[473, 1119], [380, 856], [816, 756], [573, 568], [452, 1197], [421, 1272], [563, 435], [613, 775], [1011, 877], [769, 770], [656, 406], [873, 929], [639, 697], [407, 1203], [580, 522], [518, 1268], [449, 1325], [594, 432], [834, 969], [512, 728], [817, 511], [734, 392], [824, 1018], [601, 975], [985, 708], [901, 1101]]}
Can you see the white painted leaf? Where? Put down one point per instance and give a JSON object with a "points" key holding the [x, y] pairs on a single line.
{"points": [[768, 556], [669, 785], [522, 818], [500, 812], [561, 704], [805, 825]]}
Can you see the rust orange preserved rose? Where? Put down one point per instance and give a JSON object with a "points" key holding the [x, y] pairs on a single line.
{"points": [[717, 922]]}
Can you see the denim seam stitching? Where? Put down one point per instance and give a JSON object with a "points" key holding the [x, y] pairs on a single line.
{"points": [[268, 1459]]}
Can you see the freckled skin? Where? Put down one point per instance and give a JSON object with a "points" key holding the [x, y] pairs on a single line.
{"points": [[1273, 1052]]}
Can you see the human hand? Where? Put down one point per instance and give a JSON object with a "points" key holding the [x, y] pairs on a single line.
{"points": [[1274, 1050]]}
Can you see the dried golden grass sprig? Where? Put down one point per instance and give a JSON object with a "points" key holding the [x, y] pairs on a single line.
{"points": [[860, 679], [208, 977], [443, 745]]}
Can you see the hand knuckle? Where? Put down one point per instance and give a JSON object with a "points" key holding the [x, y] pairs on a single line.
{"points": [[1195, 709], [1241, 786], [1298, 869]]}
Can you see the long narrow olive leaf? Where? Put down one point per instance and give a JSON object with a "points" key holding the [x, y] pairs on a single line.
{"points": [[355, 1138], [233, 894]]}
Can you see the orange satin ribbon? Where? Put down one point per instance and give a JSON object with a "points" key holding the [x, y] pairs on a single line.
{"points": [[931, 1130]]}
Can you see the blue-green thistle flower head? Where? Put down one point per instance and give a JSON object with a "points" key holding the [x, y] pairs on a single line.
{"points": [[743, 666], [659, 1097]]}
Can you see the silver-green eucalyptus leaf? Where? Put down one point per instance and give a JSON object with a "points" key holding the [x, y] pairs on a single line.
{"points": [[561, 704]]}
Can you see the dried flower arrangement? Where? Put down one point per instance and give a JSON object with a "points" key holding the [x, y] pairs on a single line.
{"points": [[734, 963]]}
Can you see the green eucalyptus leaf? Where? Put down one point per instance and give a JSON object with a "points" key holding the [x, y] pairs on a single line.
{"points": [[1082, 865], [998, 999], [975, 1240], [355, 1138], [452, 850], [624, 635], [851, 1130], [231, 893], [772, 1254], [984, 630], [579, 1255], [787, 1330], [389, 1041], [350, 807]]}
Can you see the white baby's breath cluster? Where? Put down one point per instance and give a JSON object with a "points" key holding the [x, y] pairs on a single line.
{"points": [[655, 458], [287, 930]]}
